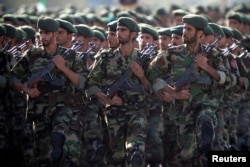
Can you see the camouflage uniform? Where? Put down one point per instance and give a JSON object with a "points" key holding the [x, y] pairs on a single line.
{"points": [[186, 115], [92, 129], [126, 123], [170, 128], [55, 112], [5, 108], [22, 128], [243, 115]]}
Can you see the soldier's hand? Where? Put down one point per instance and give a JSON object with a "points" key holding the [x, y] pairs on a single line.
{"points": [[167, 97], [182, 94], [117, 101], [59, 62], [32, 92], [201, 61], [137, 69]]}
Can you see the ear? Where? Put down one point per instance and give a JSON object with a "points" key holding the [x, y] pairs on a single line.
{"points": [[135, 34], [200, 33]]}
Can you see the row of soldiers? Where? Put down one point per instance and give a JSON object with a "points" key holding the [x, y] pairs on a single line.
{"points": [[183, 92]]}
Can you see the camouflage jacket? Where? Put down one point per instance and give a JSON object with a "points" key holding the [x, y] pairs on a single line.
{"points": [[38, 59], [171, 66], [108, 68]]}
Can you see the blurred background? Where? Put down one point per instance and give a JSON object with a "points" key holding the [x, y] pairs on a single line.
{"points": [[14, 5], [100, 12]]}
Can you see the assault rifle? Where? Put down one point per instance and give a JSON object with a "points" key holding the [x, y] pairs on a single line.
{"points": [[15, 49], [243, 55], [90, 48], [230, 48], [44, 73], [147, 54], [189, 75], [4, 49]]}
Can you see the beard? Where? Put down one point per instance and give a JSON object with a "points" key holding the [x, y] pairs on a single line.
{"points": [[190, 40], [45, 43], [124, 40]]}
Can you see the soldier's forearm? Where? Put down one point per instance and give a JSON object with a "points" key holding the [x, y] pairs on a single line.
{"points": [[72, 76]]}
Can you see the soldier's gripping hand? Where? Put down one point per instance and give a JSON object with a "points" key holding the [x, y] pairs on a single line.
{"points": [[201, 61], [137, 69], [164, 96], [183, 94], [59, 62], [33, 92]]}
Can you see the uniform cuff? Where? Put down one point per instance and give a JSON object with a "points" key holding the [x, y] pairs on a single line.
{"points": [[222, 77], [233, 80], [92, 90], [159, 84], [82, 81]]}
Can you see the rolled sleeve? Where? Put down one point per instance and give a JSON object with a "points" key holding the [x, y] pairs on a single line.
{"points": [[92, 90]]}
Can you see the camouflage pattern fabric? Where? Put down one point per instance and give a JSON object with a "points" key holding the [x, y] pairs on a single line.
{"points": [[186, 114], [126, 124], [55, 109]]}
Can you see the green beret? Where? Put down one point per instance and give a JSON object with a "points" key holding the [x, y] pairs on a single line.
{"points": [[146, 28], [164, 31], [2, 30], [161, 12], [244, 19], [84, 30], [177, 30], [22, 35], [112, 26], [66, 25], [227, 31], [67, 17], [129, 23], [23, 18], [99, 35], [10, 18], [234, 15], [48, 24], [198, 21], [123, 14], [102, 30], [10, 30], [78, 19], [179, 12], [33, 20], [217, 30], [208, 30], [237, 34], [30, 31]]}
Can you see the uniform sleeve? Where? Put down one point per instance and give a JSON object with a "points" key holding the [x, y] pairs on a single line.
{"points": [[94, 79], [157, 71]]}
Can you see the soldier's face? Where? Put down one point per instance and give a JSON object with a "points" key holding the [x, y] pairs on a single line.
{"points": [[123, 34], [46, 37], [176, 40], [189, 34], [63, 36], [164, 41], [234, 24], [144, 39], [112, 39]]}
